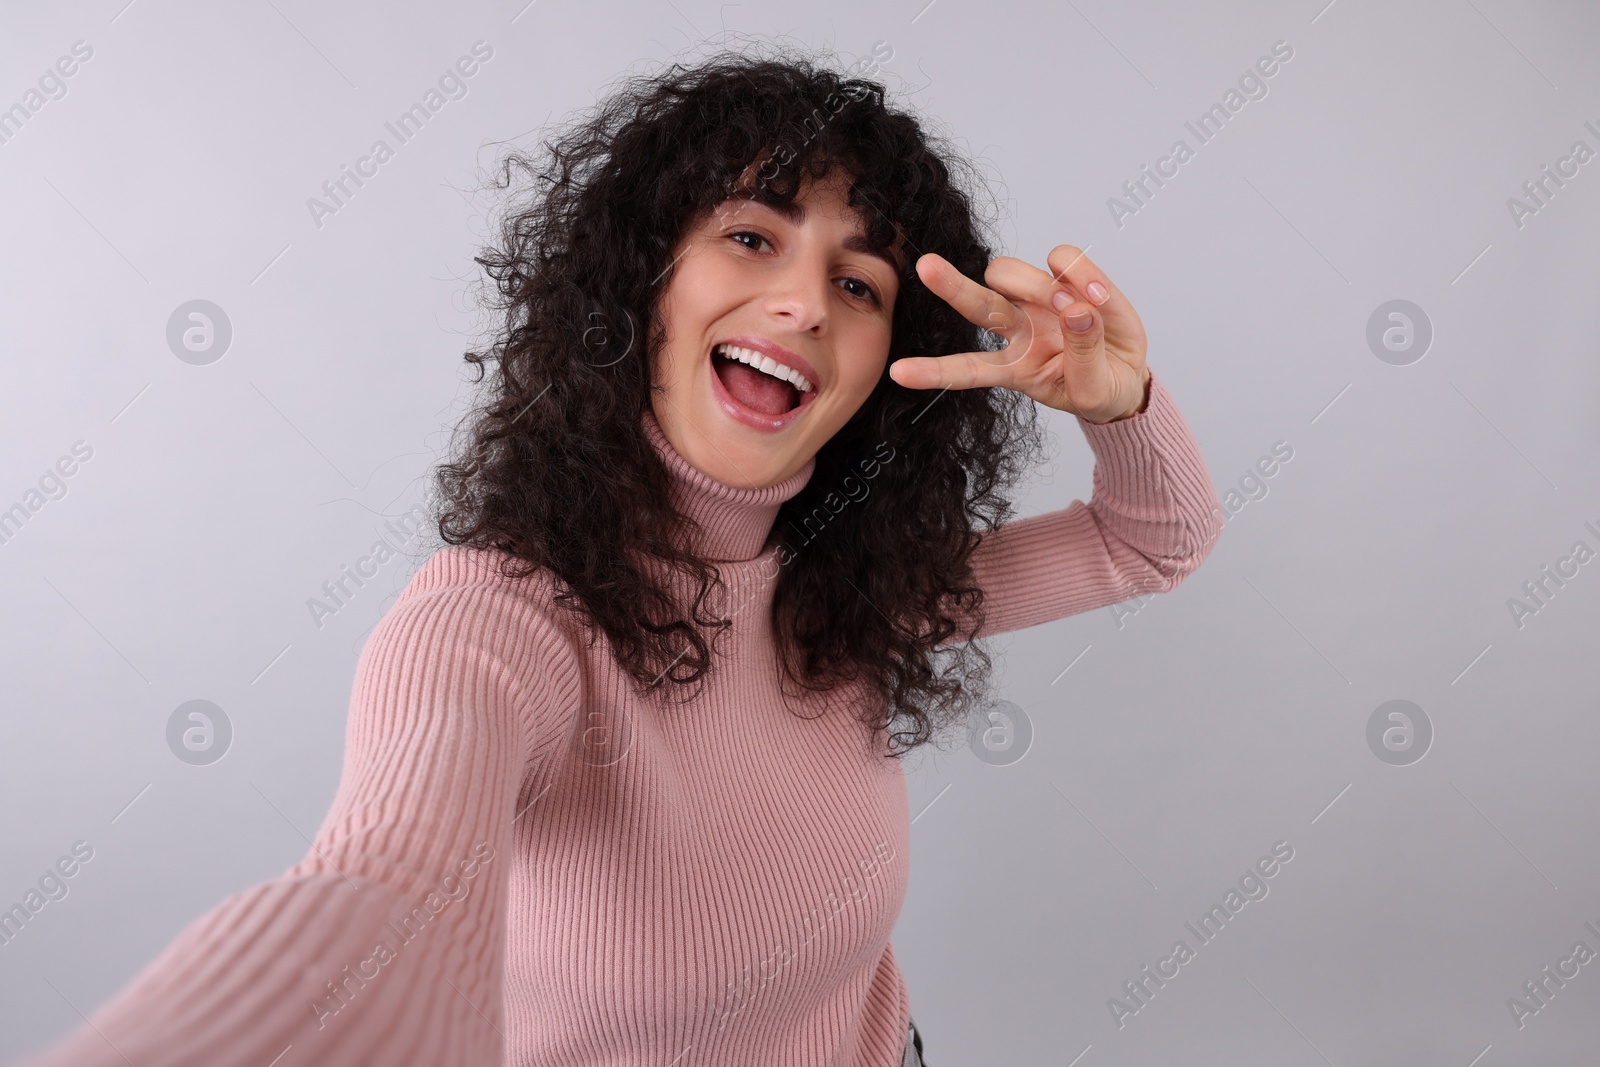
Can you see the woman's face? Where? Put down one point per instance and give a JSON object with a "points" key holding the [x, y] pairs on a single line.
{"points": [[800, 290]]}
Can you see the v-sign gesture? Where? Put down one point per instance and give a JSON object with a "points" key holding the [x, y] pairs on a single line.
{"points": [[1086, 357]]}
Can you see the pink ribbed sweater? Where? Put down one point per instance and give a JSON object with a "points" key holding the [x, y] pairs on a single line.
{"points": [[526, 863]]}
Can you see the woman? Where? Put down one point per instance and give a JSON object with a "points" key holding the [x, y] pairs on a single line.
{"points": [[620, 783]]}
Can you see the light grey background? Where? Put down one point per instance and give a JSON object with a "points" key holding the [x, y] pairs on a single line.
{"points": [[1184, 740]]}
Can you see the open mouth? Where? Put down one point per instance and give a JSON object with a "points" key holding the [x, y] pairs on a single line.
{"points": [[767, 388]]}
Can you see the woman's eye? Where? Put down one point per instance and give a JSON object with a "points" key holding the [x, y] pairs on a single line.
{"points": [[746, 233], [866, 290]]}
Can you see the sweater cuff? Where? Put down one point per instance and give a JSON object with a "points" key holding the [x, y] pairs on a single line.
{"points": [[1151, 484], [1157, 426]]}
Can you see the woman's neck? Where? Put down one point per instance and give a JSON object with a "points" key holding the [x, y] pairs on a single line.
{"points": [[734, 523]]}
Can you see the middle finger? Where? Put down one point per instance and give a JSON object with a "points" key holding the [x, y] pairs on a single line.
{"points": [[1020, 280]]}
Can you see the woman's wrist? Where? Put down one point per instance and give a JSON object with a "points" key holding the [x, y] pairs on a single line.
{"points": [[1144, 404]]}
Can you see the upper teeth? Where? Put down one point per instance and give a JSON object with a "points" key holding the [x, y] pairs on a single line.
{"points": [[767, 364]]}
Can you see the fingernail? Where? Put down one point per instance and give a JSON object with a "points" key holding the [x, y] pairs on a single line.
{"points": [[1078, 324], [1096, 291], [1060, 300]]}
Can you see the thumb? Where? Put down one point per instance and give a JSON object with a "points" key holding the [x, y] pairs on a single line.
{"points": [[1082, 332]]}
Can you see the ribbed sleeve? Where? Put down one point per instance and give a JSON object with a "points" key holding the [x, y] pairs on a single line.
{"points": [[1152, 519], [385, 944]]}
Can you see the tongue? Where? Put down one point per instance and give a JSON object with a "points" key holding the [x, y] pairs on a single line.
{"points": [[753, 388]]}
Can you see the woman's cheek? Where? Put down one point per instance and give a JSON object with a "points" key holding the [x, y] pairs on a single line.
{"points": [[861, 385]]}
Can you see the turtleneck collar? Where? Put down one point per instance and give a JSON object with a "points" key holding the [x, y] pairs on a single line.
{"points": [[734, 523]]}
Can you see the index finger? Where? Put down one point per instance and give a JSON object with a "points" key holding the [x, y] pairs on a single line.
{"points": [[977, 304]]}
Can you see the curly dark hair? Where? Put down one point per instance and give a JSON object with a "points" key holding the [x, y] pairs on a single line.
{"points": [[559, 474]]}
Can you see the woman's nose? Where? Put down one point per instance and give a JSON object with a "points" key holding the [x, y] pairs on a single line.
{"points": [[801, 292]]}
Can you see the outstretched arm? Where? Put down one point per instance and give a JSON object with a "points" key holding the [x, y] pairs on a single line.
{"points": [[384, 944]]}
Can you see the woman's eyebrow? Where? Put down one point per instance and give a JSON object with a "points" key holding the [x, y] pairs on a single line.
{"points": [[792, 210], [857, 242]]}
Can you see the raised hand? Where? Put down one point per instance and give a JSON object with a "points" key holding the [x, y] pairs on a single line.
{"points": [[1086, 358]]}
